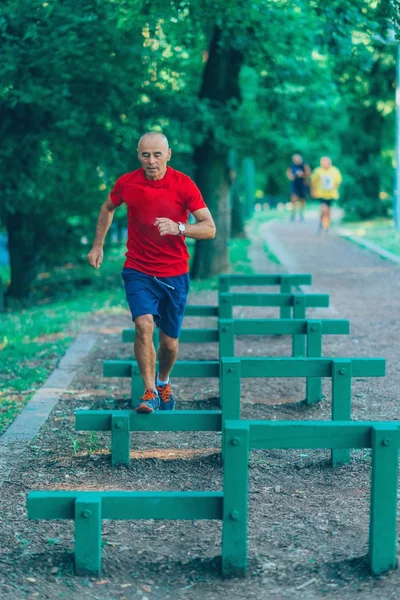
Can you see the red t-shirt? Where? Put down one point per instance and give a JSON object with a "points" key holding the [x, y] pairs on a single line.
{"points": [[173, 197]]}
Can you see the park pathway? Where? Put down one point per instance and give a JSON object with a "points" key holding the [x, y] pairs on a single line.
{"points": [[363, 288]]}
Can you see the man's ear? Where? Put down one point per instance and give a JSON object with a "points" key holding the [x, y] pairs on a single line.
{"points": [[169, 154]]}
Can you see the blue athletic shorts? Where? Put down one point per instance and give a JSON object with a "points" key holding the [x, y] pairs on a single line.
{"points": [[163, 297]]}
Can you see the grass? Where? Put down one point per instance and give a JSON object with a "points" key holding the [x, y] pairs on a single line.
{"points": [[378, 231], [33, 340]]}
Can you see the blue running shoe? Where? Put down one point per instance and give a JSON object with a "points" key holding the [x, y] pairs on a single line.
{"points": [[149, 402], [166, 397]]}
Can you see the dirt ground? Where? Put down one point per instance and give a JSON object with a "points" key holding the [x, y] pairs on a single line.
{"points": [[308, 524]]}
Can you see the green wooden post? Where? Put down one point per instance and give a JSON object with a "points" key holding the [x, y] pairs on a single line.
{"points": [[229, 392], [120, 440], [383, 512], [285, 288], [229, 388], [299, 340], [137, 386], [88, 536], [341, 403], [226, 329], [225, 306], [314, 350], [223, 284], [235, 509]]}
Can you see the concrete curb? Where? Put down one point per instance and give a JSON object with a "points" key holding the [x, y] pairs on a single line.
{"points": [[28, 423], [370, 246]]}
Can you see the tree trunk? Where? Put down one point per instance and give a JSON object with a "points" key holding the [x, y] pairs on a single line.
{"points": [[26, 247], [211, 256], [220, 85]]}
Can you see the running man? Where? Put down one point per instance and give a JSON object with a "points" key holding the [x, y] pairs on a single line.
{"points": [[298, 173], [325, 183], [156, 271]]}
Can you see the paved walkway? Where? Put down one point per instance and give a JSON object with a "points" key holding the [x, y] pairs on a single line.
{"points": [[363, 287]]}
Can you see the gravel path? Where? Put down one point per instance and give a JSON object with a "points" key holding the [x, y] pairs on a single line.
{"points": [[307, 537]]}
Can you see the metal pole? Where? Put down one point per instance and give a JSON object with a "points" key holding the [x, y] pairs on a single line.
{"points": [[396, 198]]}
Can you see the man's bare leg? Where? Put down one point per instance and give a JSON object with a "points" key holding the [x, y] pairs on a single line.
{"points": [[167, 355], [145, 353]]}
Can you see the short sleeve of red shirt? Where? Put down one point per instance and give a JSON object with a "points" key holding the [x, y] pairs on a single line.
{"points": [[116, 193], [194, 199]]}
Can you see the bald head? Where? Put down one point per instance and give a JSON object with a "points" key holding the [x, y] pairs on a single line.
{"points": [[154, 136], [154, 153]]}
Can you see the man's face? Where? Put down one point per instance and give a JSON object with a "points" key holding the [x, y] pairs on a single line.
{"points": [[297, 159], [325, 162], [153, 153]]}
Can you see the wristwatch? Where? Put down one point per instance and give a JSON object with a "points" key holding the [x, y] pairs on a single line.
{"points": [[181, 228]]}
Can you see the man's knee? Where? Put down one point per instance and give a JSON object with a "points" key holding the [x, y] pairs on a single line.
{"points": [[144, 325], [168, 343]]}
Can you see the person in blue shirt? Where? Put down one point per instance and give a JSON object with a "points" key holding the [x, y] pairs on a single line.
{"points": [[298, 173]]}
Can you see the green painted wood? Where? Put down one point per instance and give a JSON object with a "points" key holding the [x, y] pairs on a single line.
{"points": [[226, 337], [308, 434], [178, 420], [230, 279], [243, 299], [197, 310], [285, 288], [183, 368], [120, 439], [383, 513], [129, 505], [235, 513], [299, 312], [287, 326], [256, 367], [341, 403], [314, 350], [187, 336], [229, 391], [87, 518], [308, 367], [225, 305], [253, 327]]}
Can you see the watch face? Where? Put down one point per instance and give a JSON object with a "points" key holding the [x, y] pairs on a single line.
{"points": [[181, 227]]}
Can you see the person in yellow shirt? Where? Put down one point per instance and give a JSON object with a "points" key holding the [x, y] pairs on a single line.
{"points": [[325, 183]]}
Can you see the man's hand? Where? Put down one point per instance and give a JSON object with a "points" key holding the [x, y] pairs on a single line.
{"points": [[166, 226], [95, 257]]}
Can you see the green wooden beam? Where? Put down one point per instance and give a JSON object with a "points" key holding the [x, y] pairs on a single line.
{"points": [[286, 326], [187, 336], [253, 327], [307, 434], [194, 368], [256, 367], [231, 279], [178, 420], [194, 310], [128, 505], [243, 299]]}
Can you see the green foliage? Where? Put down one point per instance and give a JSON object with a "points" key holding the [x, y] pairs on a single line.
{"points": [[80, 81]]}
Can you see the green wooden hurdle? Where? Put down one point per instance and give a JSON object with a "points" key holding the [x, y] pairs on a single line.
{"points": [[88, 509], [297, 303], [383, 438], [286, 282], [231, 370], [229, 328]]}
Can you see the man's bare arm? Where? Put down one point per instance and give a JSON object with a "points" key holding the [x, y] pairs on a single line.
{"points": [[95, 256], [204, 229]]}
